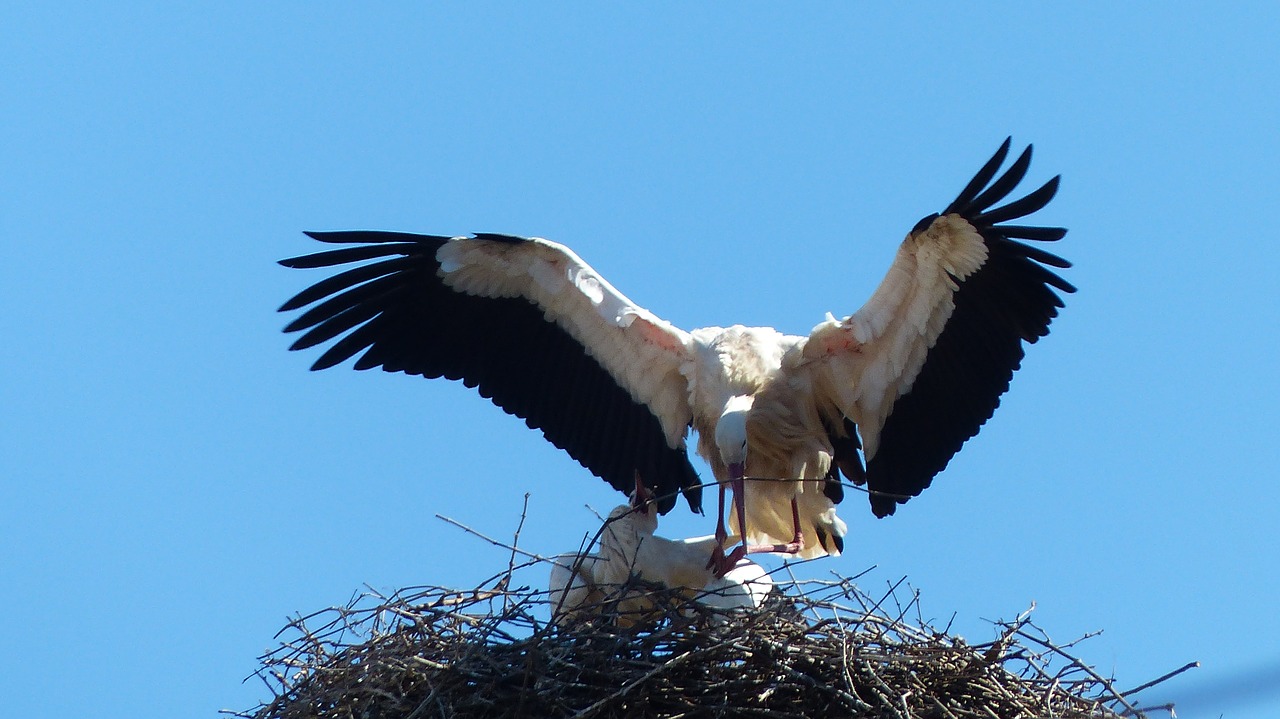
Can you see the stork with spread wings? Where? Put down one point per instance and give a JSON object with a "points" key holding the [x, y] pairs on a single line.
{"points": [[902, 383]]}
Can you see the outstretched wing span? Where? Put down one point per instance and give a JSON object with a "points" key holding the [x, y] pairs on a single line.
{"points": [[525, 321], [922, 365]]}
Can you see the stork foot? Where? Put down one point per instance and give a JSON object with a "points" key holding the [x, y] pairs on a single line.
{"points": [[789, 548], [720, 563]]}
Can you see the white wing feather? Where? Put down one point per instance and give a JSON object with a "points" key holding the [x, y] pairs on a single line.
{"points": [[642, 352], [865, 362]]}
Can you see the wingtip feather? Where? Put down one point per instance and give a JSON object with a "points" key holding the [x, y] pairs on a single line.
{"points": [[1004, 184], [330, 237], [1023, 206], [980, 179], [291, 304]]}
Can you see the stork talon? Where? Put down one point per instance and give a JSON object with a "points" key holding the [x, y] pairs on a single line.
{"points": [[790, 548], [720, 563]]}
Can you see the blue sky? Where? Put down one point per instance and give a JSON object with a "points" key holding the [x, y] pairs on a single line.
{"points": [[176, 483]]}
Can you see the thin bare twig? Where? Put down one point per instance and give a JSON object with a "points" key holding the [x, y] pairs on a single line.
{"points": [[1185, 667]]}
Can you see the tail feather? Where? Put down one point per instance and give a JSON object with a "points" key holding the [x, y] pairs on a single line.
{"points": [[769, 521]]}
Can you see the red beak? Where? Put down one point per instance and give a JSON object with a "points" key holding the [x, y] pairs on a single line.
{"points": [[641, 496]]}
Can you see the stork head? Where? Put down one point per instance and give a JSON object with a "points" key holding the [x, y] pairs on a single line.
{"points": [[731, 434], [637, 518]]}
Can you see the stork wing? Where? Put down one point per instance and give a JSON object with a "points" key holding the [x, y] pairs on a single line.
{"points": [[527, 322], [922, 365]]}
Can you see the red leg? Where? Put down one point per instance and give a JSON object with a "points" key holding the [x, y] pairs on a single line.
{"points": [[725, 563], [794, 547], [721, 563], [717, 560], [721, 533]]}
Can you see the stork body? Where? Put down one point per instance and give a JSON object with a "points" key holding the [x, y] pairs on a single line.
{"points": [[572, 592], [630, 554], [902, 382]]}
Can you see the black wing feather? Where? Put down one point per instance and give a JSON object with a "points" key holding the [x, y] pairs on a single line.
{"points": [[1019, 208], [340, 281], [981, 179], [1003, 186], [845, 460], [1009, 300], [396, 313]]}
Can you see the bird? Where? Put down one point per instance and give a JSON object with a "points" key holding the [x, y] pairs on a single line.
{"points": [[630, 556], [881, 399], [572, 593]]}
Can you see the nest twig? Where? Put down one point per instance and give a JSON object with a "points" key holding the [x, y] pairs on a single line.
{"points": [[820, 648]]}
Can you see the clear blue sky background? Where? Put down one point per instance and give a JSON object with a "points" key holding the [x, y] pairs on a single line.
{"points": [[175, 483]]}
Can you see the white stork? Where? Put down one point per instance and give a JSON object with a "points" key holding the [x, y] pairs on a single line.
{"points": [[904, 381], [571, 587], [629, 550]]}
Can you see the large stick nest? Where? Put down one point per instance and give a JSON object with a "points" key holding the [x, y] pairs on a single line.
{"points": [[816, 649]]}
